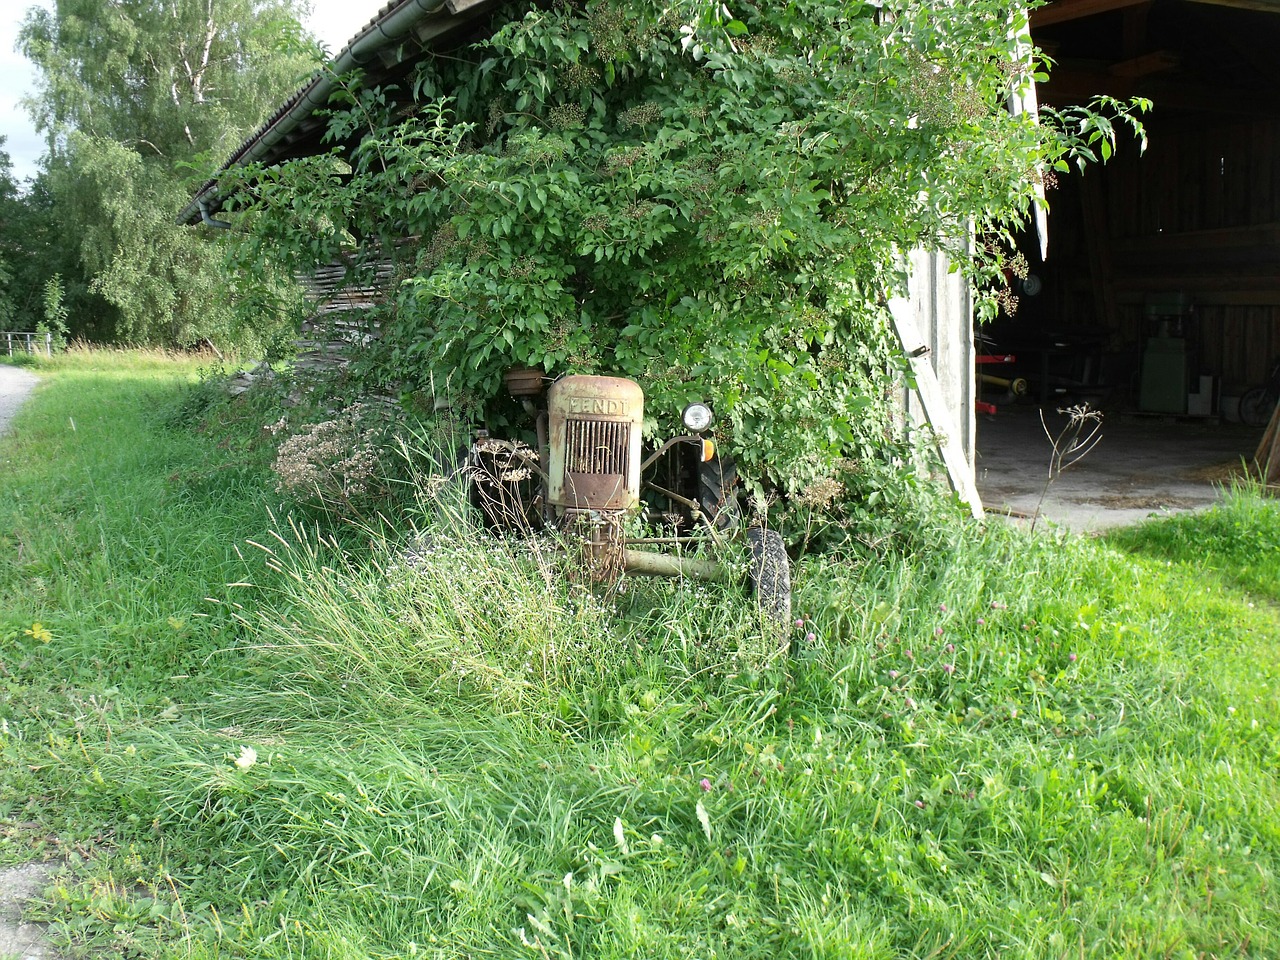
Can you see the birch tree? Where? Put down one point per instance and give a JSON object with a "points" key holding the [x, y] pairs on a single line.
{"points": [[137, 98]]}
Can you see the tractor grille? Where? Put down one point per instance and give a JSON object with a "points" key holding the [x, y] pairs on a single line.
{"points": [[598, 447]]}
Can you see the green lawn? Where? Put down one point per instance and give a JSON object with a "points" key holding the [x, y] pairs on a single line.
{"points": [[251, 738]]}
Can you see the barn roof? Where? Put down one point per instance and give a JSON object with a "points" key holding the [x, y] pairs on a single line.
{"points": [[385, 49]]}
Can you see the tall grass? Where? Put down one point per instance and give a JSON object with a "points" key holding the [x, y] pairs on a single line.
{"points": [[419, 741]]}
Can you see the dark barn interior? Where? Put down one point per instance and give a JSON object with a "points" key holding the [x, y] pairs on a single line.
{"points": [[1161, 292]]}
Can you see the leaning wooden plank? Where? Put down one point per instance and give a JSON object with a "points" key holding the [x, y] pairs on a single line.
{"points": [[934, 405], [1267, 459]]}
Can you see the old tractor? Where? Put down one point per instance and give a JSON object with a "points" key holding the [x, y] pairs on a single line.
{"points": [[666, 510]]}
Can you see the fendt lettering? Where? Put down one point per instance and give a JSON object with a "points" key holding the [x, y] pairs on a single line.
{"points": [[599, 406]]}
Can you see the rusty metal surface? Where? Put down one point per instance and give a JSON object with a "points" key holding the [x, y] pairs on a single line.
{"points": [[524, 381], [644, 563], [597, 537], [594, 440]]}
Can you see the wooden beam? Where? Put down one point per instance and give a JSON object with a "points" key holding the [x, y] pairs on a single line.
{"points": [[934, 402], [1156, 62], [1136, 293], [1260, 239], [1267, 459], [1098, 245], [1264, 6], [1060, 11], [1241, 290], [1079, 82], [1134, 32]]}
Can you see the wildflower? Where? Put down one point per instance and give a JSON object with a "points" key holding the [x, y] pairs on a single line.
{"points": [[942, 607], [810, 637], [38, 631], [799, 624], [938, 632], [1071, 657], [705, 784], [920, 804], [911, 704], [950, 648], [997, 605], [248, 757], [909, 655], [893, 674], [948, 668]]}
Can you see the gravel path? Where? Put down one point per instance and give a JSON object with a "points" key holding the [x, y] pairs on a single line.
{"points": [[15, 385], [18, 884], [24, 941]]}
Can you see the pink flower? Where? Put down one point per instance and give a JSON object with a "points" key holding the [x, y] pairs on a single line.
{"points": [[799, 624], [951, 648], [911, 704], [910, 655], [948, 668], [942, 607], [920, 804], [810, 637], [893, 674], [997, 605], [1071, 657], [705, 784], [981, 622], [937, 632]]}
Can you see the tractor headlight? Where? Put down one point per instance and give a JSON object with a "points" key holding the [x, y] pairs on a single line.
{"points": [[697, 417]]}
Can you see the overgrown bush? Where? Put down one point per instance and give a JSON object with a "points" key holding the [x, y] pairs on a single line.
{"points": [[713, 202]]}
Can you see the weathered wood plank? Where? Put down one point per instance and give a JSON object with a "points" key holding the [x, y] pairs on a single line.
{"points": [[947, 411], [1061, 11]]}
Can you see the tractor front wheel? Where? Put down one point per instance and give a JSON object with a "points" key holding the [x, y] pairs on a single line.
{"points": [[718, 492], [770, 573]]}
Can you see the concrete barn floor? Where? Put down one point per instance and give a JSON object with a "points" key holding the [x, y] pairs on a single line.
{"points": [[1143, 466]]}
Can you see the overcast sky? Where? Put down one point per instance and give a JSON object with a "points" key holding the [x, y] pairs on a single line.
{"points": [[334, 22]]}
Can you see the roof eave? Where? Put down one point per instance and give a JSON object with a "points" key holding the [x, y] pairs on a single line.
{"points": [[421, 20]]}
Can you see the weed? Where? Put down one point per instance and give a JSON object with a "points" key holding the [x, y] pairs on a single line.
{"points": [[1075, 441]]}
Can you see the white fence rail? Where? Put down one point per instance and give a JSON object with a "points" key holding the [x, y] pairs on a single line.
{"points": [[28, 342]]}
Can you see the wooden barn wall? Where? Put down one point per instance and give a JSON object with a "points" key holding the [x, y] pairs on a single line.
{"points": [[943, 316], [1198, 215]]}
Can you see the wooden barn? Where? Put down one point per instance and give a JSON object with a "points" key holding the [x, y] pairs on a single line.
{"points": [[1161, 292], [934, 321]]}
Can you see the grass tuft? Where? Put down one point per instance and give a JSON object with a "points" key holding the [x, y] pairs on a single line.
{"points": [[408, 739]]}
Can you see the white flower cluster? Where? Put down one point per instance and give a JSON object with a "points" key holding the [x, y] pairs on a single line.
{"points": [[335, 461]]}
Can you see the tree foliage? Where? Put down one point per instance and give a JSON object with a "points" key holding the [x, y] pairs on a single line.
{"points": [[712, 199], [8, 199], [27, 255], [134, 96], [167, 77]]}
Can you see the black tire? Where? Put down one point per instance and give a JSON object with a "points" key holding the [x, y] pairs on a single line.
{"points": [[502, 487], [1256, 407], [770, 573], [718, 492]]}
